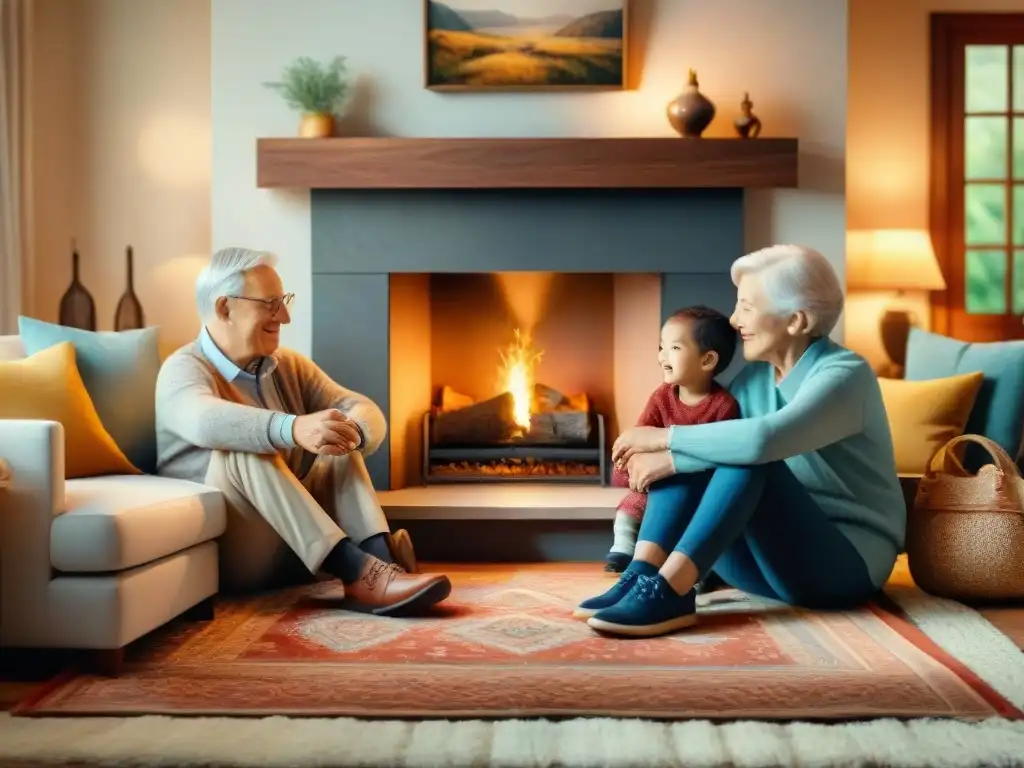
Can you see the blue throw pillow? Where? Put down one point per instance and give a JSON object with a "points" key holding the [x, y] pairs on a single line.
{"points": [[998, 412], [119, 371]]}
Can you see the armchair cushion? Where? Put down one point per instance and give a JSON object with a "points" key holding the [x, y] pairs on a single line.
{"points": [[925, 415], [47, 387], [118, 522], [998, 412], [119, 370]]}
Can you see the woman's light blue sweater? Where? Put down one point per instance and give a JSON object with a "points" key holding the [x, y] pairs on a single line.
{"points": [[827, 421]]}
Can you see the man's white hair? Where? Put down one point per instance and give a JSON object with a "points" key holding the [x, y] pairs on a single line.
{"points": [[225, 275], [796, 279]]}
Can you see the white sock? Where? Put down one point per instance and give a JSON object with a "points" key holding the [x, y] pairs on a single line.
{"points": [[625, 528]]}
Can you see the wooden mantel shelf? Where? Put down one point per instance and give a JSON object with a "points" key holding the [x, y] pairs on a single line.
{"points": [[405, 163]]}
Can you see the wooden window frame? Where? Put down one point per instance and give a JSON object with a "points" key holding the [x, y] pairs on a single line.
{"points": [[950, 32]]}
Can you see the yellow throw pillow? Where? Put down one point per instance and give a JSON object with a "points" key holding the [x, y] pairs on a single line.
{"points": [[925, 415], [47, 386]]}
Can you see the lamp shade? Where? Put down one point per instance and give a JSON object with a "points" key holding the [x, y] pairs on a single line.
{"points": [[892, 260]]}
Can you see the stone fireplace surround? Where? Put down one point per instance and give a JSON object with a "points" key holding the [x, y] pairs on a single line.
{"points": [[657, 230]]}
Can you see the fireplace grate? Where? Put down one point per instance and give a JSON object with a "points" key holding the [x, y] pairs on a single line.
{"points": [[516, 460]]}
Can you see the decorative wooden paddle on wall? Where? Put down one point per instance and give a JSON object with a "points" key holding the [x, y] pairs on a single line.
{"points": [[77, 308], [129, 313]]}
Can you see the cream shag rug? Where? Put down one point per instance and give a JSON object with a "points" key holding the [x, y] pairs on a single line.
{"points": [[288, 742]]}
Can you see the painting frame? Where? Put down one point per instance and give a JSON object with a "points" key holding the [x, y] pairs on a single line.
{"points": [[431, 83]]}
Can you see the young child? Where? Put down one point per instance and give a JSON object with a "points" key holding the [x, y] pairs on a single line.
{"points": [[697, 344]]}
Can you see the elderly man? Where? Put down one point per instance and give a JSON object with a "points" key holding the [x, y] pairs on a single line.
{"points": [[284, 443]]}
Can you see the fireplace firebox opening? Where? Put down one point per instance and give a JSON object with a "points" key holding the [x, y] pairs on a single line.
{"points": [[525, 431], [516, 376]]}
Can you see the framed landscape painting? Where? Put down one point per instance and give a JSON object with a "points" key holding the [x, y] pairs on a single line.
{"points": [[525, 44]]}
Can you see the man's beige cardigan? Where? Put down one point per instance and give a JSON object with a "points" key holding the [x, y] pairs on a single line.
{"points": [[198, 411]]}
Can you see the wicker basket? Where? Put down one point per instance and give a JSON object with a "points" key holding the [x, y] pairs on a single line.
{"points": [[965, 533]]}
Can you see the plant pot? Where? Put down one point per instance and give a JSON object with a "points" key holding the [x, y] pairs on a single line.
{"points": [[316, 125]]}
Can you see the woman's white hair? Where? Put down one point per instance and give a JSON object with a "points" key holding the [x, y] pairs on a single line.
{"points": [[225, 275], [796, 279]]}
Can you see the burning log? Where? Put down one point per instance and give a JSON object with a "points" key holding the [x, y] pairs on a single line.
{"points": [[555, 419], [558, 427], [546, 399], [484, 423], [453, 401]]}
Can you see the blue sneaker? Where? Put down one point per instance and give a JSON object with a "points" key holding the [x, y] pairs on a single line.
{"points": [[592, 605], [651, 608]]}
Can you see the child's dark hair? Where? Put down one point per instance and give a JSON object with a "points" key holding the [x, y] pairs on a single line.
{"points": [[712, 333]]}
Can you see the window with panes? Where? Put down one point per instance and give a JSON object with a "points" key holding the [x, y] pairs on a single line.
{"points": [[978, 171]]}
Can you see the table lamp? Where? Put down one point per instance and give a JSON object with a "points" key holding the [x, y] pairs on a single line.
{"points": [[893, 260]]}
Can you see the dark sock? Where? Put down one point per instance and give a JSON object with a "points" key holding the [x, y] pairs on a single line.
{"points": [[644, 568], [346, 561], [377, 545]]}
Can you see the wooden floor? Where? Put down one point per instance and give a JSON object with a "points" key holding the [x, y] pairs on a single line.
{"points": [[20, 673]]}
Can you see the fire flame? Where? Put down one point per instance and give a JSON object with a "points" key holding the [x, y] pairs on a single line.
{"points": [[517, 376]]}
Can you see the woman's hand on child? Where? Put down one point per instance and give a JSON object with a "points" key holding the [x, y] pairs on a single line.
{"points": [[639, 440], [647, 468]]}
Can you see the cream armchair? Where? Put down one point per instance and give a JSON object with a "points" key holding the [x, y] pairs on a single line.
{"points": [[95, 563]]}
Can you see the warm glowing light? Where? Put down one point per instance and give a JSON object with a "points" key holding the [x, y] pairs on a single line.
{"points": [[517, 376], [174, 148]]}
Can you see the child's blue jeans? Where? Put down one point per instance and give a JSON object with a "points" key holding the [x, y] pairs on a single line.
{"points": [[760, 531]]}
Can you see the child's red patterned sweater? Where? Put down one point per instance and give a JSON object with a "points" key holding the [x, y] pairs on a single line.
{"points": [[665, 409]]}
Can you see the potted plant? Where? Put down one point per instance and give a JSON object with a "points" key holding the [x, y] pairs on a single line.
{"points": [[314, 90]]}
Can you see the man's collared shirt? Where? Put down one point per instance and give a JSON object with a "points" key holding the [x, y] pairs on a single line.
{"points": [[257, 384]]}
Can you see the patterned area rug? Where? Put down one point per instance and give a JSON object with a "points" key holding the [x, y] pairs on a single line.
{"points": [[505, 645]]}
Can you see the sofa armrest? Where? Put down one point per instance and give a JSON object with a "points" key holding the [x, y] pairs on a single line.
{"points": [[34, 451]]}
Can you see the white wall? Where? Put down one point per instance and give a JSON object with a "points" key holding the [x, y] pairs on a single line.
{"points": [[789, 54], [121, 129]]}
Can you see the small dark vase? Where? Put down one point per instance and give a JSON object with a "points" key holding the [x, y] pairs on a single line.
{"points": [[748, 125], [691, 112], [77, 308], [129, 313]]}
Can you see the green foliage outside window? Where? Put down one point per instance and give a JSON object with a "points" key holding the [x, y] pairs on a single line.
{"points": [[988, 205]]}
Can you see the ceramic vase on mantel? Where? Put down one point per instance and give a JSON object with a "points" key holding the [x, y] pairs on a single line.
{"points": [[691, 112], [748, 125], [129, 315], [77, 308]]}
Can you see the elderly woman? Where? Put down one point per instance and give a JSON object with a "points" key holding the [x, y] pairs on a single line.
{"points": [[799, 500]]}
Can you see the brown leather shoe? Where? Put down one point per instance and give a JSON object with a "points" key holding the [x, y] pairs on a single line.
{"points": [[400, 545], [383, 589]]}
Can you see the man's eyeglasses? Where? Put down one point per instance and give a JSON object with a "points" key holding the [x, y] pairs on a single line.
{"points": [[273, 305]]}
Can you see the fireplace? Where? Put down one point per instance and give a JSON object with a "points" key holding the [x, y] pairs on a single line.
{"points": [[429, 253], [418, 295]]}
